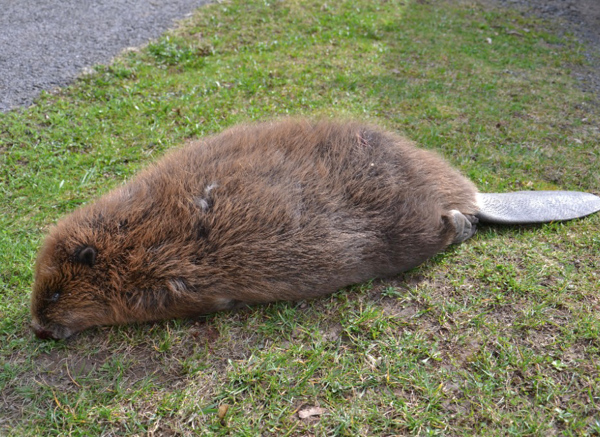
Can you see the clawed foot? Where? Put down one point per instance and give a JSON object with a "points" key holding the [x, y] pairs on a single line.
{"points": [[465, 225]]}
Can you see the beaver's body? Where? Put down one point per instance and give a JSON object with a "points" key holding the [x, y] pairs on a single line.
{"points": [[285, 210]]}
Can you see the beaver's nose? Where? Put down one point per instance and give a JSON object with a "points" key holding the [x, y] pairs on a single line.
{"points": [[43, 334]]}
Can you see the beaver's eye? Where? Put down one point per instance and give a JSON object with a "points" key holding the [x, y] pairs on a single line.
{"points": [[54, 297]]}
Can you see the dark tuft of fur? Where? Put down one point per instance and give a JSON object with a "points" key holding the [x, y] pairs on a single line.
{"points": [[284, 210]]}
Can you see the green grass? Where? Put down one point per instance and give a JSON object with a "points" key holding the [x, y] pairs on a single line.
{"points": [[498, 336]]}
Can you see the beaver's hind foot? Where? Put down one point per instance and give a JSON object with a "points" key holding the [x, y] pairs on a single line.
{"points": [[465, 226]]}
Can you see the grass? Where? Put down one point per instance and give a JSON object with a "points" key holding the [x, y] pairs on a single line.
{"points": [[498, 336]]}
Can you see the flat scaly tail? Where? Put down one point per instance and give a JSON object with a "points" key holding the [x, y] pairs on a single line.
{"points": [[525, 207]]}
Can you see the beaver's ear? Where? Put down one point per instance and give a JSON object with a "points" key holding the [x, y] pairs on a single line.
{"points": [[86, 255]]}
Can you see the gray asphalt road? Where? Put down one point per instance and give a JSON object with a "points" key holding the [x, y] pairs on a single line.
{"points": [[47, 43]]}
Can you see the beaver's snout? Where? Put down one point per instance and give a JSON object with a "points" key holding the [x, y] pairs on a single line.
{"points": [[43, 334], [54, 333]]}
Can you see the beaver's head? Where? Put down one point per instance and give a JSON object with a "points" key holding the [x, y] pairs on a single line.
{"points": [[78, 276], [106, 265], [69, 293]]}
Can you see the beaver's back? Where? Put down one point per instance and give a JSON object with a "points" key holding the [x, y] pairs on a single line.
{"points": [[305, 206]]}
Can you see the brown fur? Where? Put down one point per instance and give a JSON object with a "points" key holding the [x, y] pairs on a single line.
{"points": [[275, 211]]}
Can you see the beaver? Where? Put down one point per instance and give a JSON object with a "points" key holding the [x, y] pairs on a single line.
{"points": [[282, 210]]}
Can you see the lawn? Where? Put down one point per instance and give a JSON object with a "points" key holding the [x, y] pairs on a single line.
{"points": [[497, 336]]}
